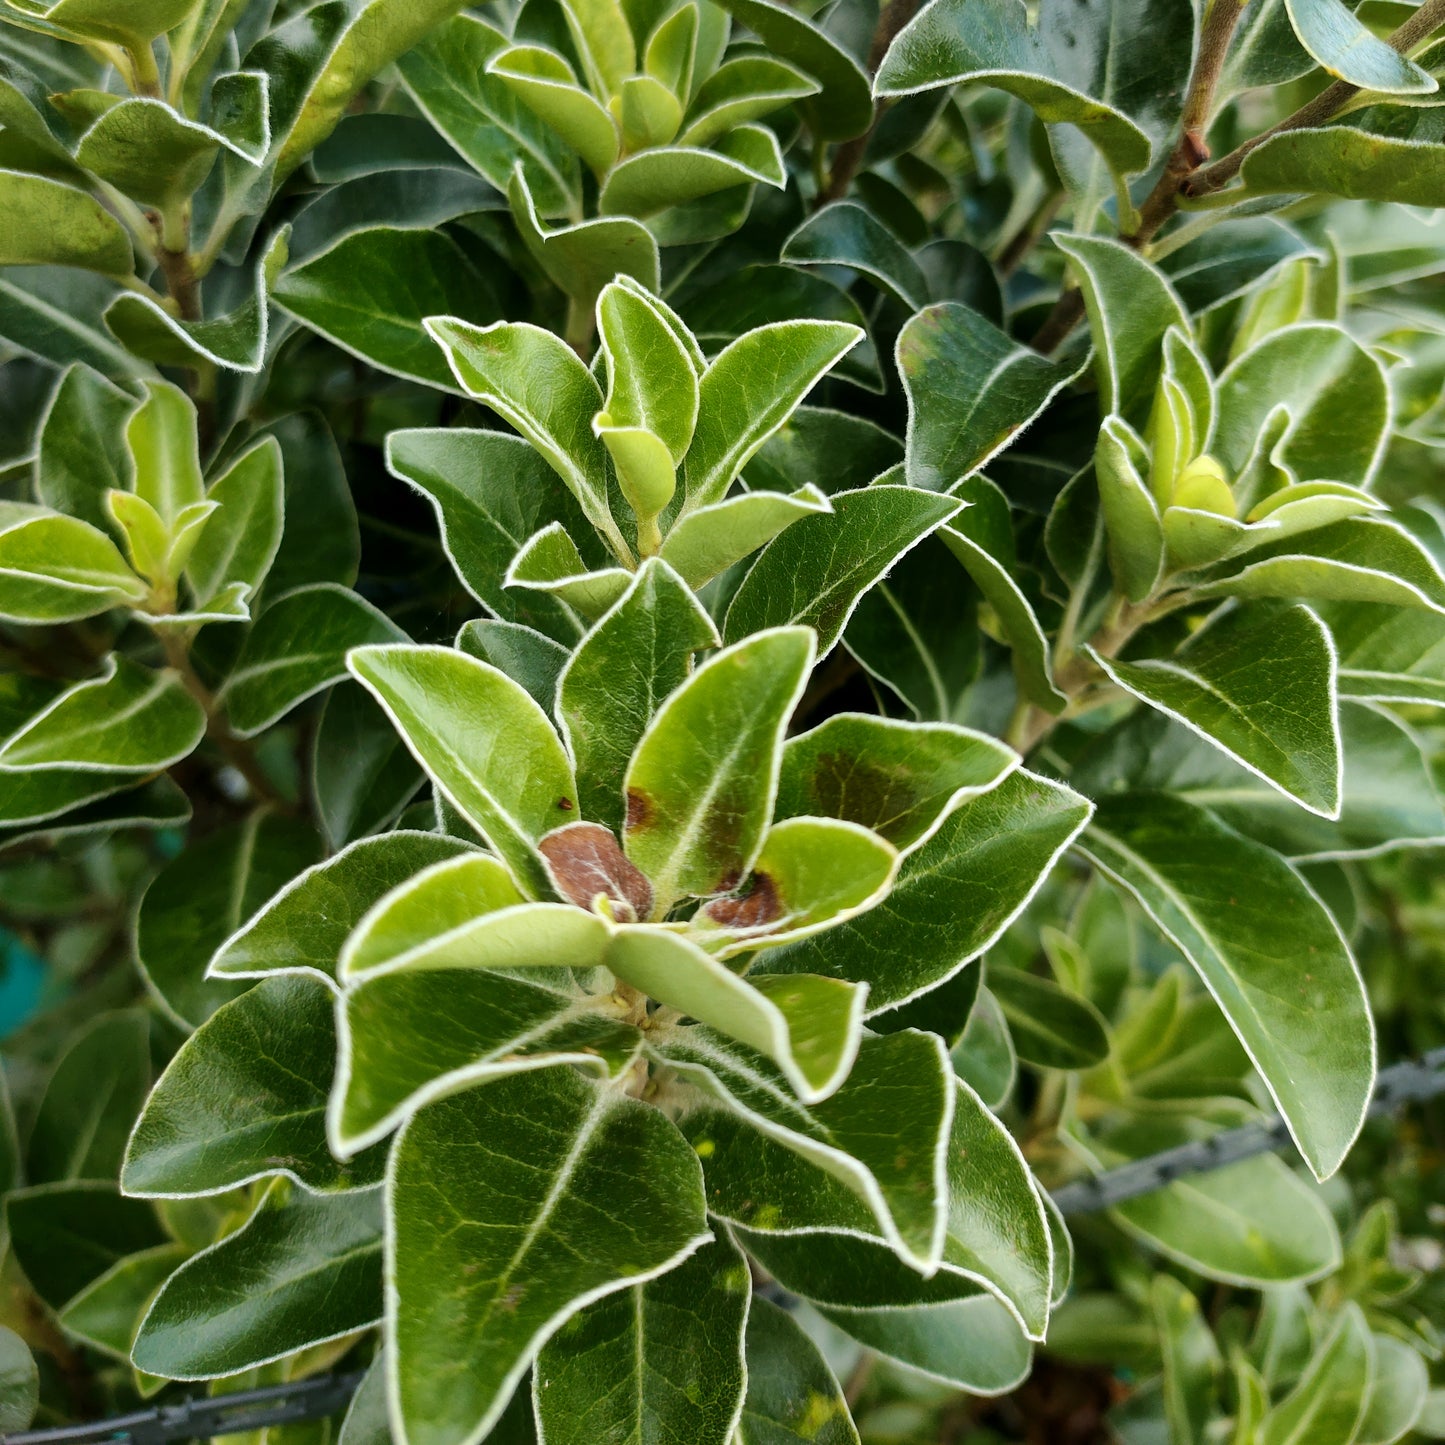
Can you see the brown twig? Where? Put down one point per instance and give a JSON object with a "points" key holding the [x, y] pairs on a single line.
{"points": [[1329, 102], [1185, 175], [849, 156], [237, 751]]}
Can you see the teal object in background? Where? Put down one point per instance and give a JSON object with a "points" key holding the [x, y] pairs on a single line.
{"points": [[22, 982]]}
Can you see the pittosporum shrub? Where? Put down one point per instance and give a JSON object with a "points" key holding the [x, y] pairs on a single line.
{"points": [[663, 658]]}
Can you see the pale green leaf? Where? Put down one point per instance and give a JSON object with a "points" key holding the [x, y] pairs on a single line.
{"points": [[53, 224]]}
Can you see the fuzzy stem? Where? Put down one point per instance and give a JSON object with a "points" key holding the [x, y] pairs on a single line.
{"points": [[237, 751]]}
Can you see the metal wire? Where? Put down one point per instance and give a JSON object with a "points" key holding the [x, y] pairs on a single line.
{"points": [[1396, 1086], [204, 1417]]}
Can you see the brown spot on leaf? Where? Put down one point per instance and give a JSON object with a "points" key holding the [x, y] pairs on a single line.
{"points": [[757, 908], [566, 804], [585, 859], [639, 809]]}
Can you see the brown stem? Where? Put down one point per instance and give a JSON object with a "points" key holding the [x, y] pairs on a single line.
{"points": [[1422, 24], [237, 751], [181, 281], [849, 156], [1027, 235], [1220, 23]]}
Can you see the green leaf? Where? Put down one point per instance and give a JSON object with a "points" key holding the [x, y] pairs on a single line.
{"points": [[65, 1236], [482, 740], [544, 82], [792, 1397], [1131, 306], [201, 897], [59, 569], [90, 1099], [1398, 1391], [814, 572], [1279, 969], [1051, 1027], [883, 1133], [107, 1312], [235, 339], [303, 928], [650, 380], [1131, 515], [844, 107], [582, 258], [1363, 559], [701, 783], [1346, 47], [240, 541], [971, 389], [846, 234], [480, 116], [578, 1192], [1191, 1360], [619, 676], [441, 913], [550, 563], [1337, 397], [80, 453], [362, 775], [491, 493], [372, 291], [984, 1056], [661, 1360], [161, 439], [131, 24], [376, 33], [996, 1233], [128, 720], [149, 152], [707, 542], [322, 543], [914, 634], [749, 391], [652, 180], [246, 1098], [476, 1025], [973, 1344], [297, 648], [958, 41], [19, 1382], [811, 874], [832, 450], [53, 224], [1257, 682], [96, 806], [1254, 1223], [1328, 1404], [1343, 161], [953, 896], [745, 88], [1132, 55], [901, 780], [1388, 653], [526, 656], [533, 380], [981, 538], [302, 1270], [808, 1027]]}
